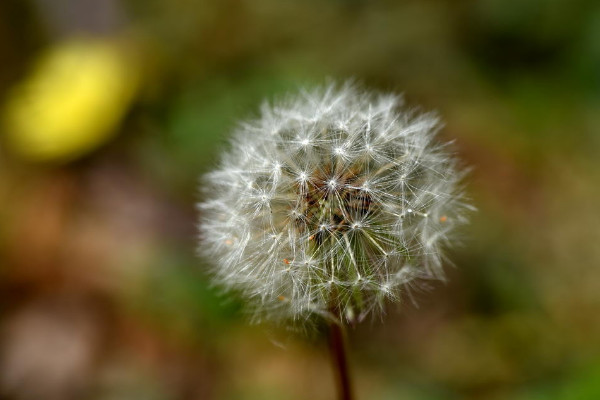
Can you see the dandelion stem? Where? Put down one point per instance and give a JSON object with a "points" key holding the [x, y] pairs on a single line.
{"points": [[337, 348]]}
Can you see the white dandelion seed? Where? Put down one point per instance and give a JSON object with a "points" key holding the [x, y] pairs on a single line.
{"points": [[329, 204]]}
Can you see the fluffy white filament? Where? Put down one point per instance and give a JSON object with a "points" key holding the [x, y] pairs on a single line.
{"points": [[330, 203]]}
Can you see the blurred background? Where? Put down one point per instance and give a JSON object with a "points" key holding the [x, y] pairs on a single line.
{"points": [[111, 109]]}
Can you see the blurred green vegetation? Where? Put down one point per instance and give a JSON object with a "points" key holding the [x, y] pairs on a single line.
{"points": [[98, 272]]}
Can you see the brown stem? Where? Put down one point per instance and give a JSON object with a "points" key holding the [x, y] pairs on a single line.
{"points": [[337, 349]]}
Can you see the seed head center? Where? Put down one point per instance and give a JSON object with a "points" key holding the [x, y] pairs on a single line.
{"points": [[332, 205]]}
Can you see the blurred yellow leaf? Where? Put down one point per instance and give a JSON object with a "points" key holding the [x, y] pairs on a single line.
{"points": [[72, 101]]}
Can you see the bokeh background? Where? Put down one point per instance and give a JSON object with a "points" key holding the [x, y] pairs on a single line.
{"points": [[111, 109]]}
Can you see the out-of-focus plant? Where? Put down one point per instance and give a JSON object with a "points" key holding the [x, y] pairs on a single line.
{"points": [[329, 204], [72, 101]]}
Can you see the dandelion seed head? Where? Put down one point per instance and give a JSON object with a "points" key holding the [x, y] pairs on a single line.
{"points": [[330, 203]]}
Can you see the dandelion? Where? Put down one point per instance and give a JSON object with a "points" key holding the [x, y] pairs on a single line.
{"points": [[329, 204]]}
